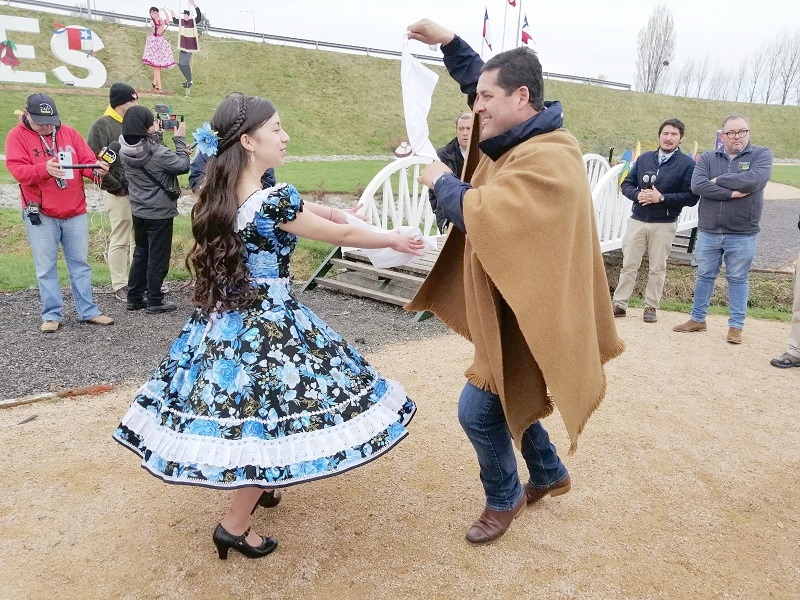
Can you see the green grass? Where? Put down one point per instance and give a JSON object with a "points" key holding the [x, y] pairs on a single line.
{"points": [[16, 264], [335, 177], [332, 103], [790, 175]]}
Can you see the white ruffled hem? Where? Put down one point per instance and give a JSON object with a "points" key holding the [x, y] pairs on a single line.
{"points": [[279, 452]]}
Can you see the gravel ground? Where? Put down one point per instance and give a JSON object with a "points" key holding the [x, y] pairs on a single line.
{"points": [[80, 354]]}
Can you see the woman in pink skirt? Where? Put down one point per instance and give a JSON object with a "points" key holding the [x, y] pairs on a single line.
{"points": [[157, 51]]}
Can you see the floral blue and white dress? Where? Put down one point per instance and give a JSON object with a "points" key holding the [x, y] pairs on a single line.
{"points": [[268, 396]]}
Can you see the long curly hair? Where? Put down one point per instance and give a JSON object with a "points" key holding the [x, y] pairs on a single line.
{"points": [[222, 281]]}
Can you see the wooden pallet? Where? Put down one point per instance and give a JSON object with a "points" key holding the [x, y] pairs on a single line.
{"points": [[350, 271]]}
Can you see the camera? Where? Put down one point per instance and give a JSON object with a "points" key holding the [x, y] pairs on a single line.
{"points": [[649, 179], [33, 213], [166, 118]]}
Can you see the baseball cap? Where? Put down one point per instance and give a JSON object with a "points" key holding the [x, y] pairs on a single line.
{"points": [[42, 110]]}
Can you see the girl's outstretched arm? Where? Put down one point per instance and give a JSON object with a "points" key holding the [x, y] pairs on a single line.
{"points": [[309, 225]]}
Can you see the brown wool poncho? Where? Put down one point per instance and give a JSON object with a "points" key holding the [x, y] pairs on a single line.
{"points": [[527, 285]]}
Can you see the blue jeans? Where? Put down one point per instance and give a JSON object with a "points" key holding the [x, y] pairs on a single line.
{"points": [[73, 236], [737, 251], [481, 415]]}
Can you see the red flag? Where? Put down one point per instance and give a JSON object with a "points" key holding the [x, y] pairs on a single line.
{"points": [[526, 37], [487, 35]]}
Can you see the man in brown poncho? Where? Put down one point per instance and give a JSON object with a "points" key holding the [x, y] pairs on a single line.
{"points": [[521, 276]]}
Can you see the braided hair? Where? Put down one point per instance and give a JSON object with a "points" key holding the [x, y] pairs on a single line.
{"points": [[222, 281]]}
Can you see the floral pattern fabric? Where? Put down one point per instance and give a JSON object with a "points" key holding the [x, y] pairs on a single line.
{"points": [[267, 396], [157, 51]]}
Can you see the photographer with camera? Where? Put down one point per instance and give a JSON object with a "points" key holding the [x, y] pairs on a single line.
{"points": [[102, 133], [151, 170], [659, 184], [39, 153]]}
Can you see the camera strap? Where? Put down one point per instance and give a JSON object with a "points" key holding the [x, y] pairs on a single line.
{"points": [[48, 149], [154, 180]]}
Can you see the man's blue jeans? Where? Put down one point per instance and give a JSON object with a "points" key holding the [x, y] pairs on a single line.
{"points": [[737, 251], [481, 415], [73, 236]]}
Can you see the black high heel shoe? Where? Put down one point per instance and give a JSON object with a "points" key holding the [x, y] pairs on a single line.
{"points": [[268, 500], [224, 541]]}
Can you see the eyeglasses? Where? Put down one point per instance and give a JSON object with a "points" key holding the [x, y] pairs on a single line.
{"points": [[734, 134]]}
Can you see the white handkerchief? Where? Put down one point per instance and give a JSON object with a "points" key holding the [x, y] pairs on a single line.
{"points": [[418, 83], [386, 258]]}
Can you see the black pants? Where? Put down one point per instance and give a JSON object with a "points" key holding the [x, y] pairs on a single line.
{"points": [[150, 259]]}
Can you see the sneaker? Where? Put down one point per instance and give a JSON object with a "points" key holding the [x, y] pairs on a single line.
{"points": [[784, 361], [734, 335], [100, 320], [50, 326], [650, 315], [619, 311], [690, 327], [121, 294], [161, 308]]}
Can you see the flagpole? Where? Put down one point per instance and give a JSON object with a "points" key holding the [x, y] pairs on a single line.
{"points": [[505, 17], [519, 30]]}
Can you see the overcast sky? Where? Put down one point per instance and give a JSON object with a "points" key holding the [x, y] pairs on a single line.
{"points": [[575, 37]]}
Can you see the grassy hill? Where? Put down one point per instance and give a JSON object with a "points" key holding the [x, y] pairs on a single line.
{"points": [[335, 103]]}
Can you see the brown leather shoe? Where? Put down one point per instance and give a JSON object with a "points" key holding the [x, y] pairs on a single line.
{"points": [[619, 311], [734, 335], [534, 494], [492, 524], [690, 327]]}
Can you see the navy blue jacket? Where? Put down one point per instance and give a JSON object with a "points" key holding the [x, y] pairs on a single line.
{"points": [[198, 168], [673, 179], [464, 65], [747, 172]]}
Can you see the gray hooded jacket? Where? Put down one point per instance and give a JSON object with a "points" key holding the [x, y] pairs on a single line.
{"points": [[148, 201]]}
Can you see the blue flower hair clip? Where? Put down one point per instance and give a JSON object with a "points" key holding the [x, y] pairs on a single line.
{"points": [[207, 139]]}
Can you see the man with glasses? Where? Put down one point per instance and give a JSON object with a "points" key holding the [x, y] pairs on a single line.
{"points": [[730, 182]]}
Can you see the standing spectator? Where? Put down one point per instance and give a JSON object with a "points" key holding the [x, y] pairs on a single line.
{"points": [[452, 155], [521, 276], [730, 182], [102, 133], [157, 51], [152, 172], [55, 207], [660, 185], [187, 40], [791, 358]]}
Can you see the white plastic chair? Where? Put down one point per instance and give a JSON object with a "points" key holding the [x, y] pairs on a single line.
{"points": [[394, 197], [612, 209], [596, 167]]}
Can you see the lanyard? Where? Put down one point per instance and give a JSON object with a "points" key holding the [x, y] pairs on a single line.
{"points": [[49, 150]]}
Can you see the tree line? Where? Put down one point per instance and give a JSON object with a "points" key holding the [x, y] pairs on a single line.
{"points": [[770, 75]]}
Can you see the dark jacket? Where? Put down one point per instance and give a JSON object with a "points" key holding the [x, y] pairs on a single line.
{"points": [[464, 65], [198, 168], [101, 133], [747, 172], [673, 180], [148, 200], [450, 155]]}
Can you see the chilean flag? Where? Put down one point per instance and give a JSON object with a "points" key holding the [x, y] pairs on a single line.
{"points": [[526, 37], [487, 35], [79, 39]]}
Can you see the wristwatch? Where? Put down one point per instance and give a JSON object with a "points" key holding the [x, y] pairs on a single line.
{"points": [[661, 198]]}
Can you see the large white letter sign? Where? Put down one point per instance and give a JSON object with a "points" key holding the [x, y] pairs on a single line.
{"points": [[26, 25], [75, 46]]}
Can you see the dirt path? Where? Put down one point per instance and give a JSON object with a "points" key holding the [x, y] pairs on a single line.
{"points": [[684, 486]]}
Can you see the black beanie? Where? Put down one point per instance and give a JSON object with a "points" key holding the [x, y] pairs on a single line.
{"points": [[136, 122], [121, 93]]}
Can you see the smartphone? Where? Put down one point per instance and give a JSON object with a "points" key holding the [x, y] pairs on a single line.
{"points": [[65, 161], [171, 121]]}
